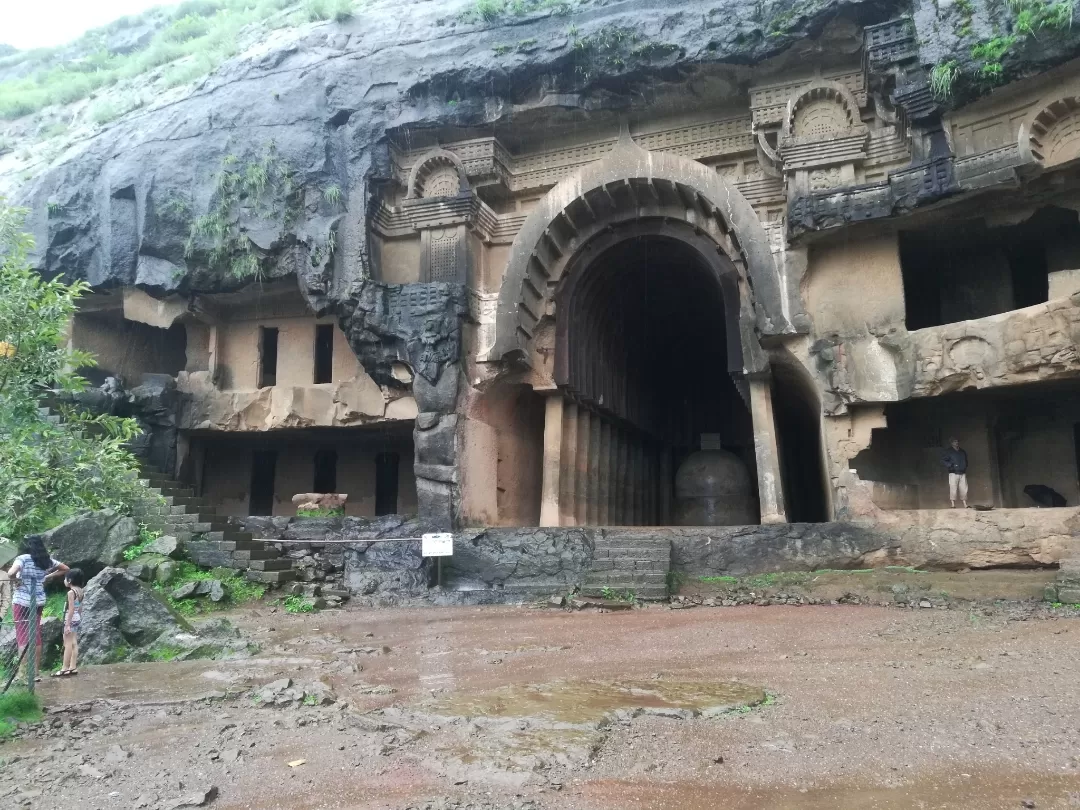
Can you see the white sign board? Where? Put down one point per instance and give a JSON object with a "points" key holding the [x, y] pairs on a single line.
{"points": [[437, 545]]}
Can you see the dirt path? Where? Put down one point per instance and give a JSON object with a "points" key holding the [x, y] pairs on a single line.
{"points": [[872, 708]]}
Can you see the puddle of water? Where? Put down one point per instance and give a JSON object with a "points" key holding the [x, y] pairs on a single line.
{"points": [[590, 702], [516, 732]]}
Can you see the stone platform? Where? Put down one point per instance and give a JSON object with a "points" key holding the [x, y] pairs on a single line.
{"points": [[535, 562]]}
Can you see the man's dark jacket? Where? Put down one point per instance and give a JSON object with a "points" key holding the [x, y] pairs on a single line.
{"points": [[955, 461]]}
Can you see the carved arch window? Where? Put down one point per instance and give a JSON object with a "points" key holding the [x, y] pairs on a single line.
{"points": [[822, 111], [439, 173], [1055, 132]]}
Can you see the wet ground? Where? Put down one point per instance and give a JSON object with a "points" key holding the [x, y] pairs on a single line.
{"points": [[503, 707]]}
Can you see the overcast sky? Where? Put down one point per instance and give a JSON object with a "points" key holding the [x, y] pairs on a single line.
{"points": [[35, 24]]}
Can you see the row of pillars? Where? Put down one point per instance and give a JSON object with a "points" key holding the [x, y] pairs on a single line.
{"points": [[599, 474], [596, 473]]}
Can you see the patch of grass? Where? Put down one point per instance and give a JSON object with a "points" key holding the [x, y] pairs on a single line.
{"points": [[18, 706], [165, 653], [719, 580], [332, 194], [203, 33], [146, 537], [618, 596], [298, 604], [239, 589], [325, 512], [943, 77], [342, 10]]}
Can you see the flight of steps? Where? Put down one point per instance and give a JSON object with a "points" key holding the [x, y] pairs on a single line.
{"points": [[208, 538], [629, 561]]}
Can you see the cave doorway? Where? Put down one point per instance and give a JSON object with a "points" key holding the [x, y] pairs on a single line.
{"points": [[797, 415], [648, 363]]}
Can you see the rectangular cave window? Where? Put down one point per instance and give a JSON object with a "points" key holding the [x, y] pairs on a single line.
{"points": [[268, 350], [968, 270], [325, 470], [386, 483], [263, 464], [324, 353]]}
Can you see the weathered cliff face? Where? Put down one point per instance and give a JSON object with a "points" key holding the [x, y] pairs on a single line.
{"points": [[313, 107]]}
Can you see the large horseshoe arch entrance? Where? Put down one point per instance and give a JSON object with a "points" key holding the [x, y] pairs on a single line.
{"points": [[648, 280], [648, 366]]}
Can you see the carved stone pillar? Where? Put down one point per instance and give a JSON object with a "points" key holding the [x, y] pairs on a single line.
{"points": [[592, 505], [770, 487], [552, 471], [568, 465], [603, 513], [581, 474]]}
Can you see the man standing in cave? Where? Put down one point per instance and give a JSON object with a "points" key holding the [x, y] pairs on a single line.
{"points": [[955, 461]]}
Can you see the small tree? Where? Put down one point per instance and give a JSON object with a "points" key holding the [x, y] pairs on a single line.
{"points": [[49, 469]]}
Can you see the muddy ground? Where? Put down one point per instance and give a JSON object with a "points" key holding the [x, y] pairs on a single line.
{"points": [[834, 707]]}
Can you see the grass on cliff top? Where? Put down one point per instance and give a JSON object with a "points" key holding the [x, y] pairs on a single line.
{"points": [[190, 41]]}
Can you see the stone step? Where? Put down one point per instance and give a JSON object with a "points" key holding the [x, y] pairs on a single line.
{"points": [[539, 588], [270, 577], [631, 541], [166, 491], [196, 503], [232, 535], [264, 565], [619, 552], [251, 555], [231, 545], [607, 580], [631, 563]]}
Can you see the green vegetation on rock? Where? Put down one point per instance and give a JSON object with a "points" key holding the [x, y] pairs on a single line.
{"points": [[146, 537], [1030, 19], [239, 590], [262, 188]]}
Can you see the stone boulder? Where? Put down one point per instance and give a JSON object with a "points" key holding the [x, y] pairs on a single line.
{"points": [[93, 540], [310, 501], [395, 568], [122, 614]]}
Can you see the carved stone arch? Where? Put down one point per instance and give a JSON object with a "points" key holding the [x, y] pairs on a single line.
{"points": [[1055, 132], [632, 184], [823, 110], [439, 173]]}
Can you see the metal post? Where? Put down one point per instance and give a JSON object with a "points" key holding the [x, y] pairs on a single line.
{"points": [[31, 635]]}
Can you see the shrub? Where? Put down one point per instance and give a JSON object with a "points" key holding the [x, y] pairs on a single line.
{"points": [[187, 27], [49, 471], [343, 10]]}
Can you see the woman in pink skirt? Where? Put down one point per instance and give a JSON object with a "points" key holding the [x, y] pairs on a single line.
{"points": [[31, 570]]}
